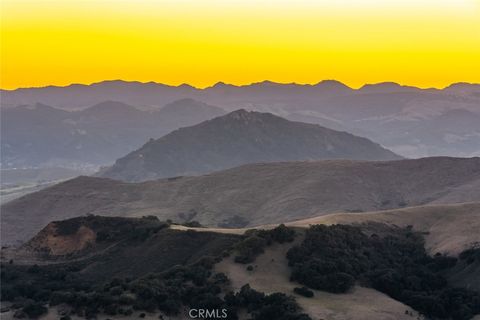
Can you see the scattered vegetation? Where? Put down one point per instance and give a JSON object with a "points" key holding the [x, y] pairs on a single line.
{"points": [[191, 285], [256, 241], [330, 258], [265, 307], [333, 258]]}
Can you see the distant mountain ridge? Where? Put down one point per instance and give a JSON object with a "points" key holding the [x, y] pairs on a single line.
{"points": [[255, 194], [238, 138], [399, 117], [41, 135], [153, 93]]}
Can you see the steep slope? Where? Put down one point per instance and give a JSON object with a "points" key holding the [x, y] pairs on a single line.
{"points": [[238, 138], [253, 194]]}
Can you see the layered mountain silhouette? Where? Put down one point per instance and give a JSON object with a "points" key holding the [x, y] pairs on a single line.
{"points": [[253, 194], [237, 138], [399, 117], [41, 135], [157, 94]]}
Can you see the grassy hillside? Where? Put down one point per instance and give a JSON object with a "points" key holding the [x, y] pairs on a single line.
{"points": [[253, 194], [120, 247], [117, 266], [271, 274], [448, 229]]}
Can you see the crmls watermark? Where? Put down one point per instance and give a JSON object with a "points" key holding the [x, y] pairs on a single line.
{"points": [[208, 313]]}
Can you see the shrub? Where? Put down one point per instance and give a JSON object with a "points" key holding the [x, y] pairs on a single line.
{"points": [[249, 249], [303, 291], [256, 241], [34, 309]]}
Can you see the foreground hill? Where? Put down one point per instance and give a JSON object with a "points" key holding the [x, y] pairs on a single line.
{"points": [[112, 243], [254, 194], [111, 266], [238, 138]]}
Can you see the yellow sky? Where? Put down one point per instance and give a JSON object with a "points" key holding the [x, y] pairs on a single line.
{"points": [[423, 42]]}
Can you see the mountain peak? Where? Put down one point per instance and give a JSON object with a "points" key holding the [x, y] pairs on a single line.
{"points": [[237, 138], [186, 86], [332, 84], [109, 106], [463, 87], [387, 86], [221, 84], [240, 113], [265, 83], [39, 108], [248, 116], [183, 101]]}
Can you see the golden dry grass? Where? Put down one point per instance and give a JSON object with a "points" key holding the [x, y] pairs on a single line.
{"points": [[271, 274], [448, 228]]}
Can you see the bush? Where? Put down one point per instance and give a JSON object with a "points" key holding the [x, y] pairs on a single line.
{"points": [[249, 249], [303, 291], [281, 234], [34, 309], [266, 307], [256, 241], [192, 224]]}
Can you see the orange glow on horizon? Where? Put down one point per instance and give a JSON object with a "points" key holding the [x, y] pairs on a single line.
{"points": [[424, 43]]}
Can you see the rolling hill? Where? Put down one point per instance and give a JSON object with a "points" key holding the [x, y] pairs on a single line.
{"points": [[253, 194], [238, 138], [106, 252], [447, 228]]}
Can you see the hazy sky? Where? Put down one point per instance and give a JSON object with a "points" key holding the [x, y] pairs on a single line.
{"points": [[422, 42]]}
